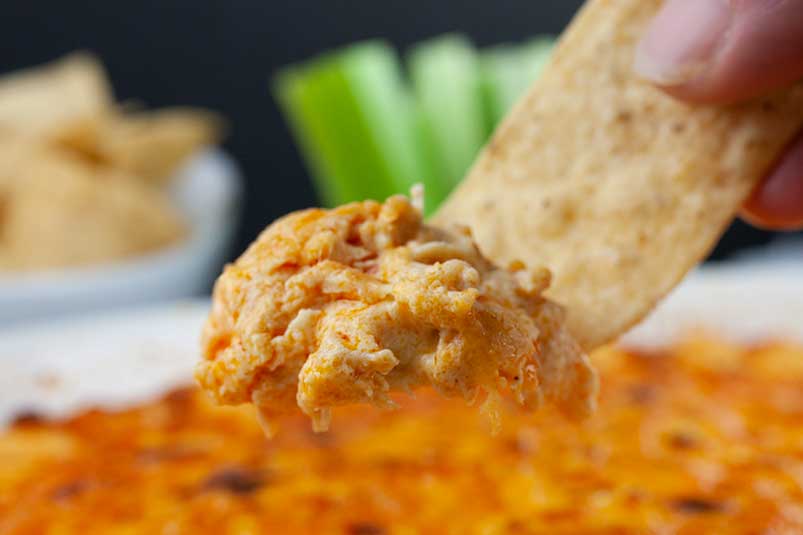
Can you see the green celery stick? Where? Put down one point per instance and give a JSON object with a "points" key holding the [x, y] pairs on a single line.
{"points": [[389, 114], [352, 116], [504, 80], [298, 100], [435, 188], [508, 70], [446, 82], [536, 53], [340, 144]]}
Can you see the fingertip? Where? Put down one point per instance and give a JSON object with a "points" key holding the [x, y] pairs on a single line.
{"points": [[777, 203], [698, 92], [722, 51], [757, 216], [681, 41]]}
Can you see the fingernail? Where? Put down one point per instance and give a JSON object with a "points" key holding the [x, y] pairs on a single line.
{"points": [[682, 40]]}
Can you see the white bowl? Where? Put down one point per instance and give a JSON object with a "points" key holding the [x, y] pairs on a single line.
{"points": [[207, 190]]}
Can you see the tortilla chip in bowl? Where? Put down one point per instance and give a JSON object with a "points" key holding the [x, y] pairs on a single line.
{"points": [[103, 204]]}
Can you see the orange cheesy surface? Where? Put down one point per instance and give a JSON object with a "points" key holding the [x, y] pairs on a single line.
{"points": [[705, 437]]}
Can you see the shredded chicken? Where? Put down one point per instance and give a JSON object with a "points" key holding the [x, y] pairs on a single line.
{"points": [[342, 306]]}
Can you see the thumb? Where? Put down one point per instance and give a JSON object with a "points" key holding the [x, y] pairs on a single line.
{"points": [[723, 50]]}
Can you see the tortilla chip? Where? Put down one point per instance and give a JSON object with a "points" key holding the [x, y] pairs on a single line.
{"points": [[54, 99], [59, 210], [152, 145], [616, 187]]}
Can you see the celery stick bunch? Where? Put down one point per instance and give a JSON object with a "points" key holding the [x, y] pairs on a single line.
{"points": [[367, 127]]}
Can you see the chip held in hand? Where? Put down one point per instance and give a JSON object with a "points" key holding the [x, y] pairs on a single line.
{"points": [[616, 187]]}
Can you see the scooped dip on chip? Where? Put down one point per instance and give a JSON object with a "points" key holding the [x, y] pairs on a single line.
{"points": [[617, 186], [343, 306]]}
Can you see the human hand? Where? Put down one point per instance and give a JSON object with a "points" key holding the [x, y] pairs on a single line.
{"points": [[722, 51]]}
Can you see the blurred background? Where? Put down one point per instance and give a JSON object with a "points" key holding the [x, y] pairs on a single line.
{"points": [[223, 55]]}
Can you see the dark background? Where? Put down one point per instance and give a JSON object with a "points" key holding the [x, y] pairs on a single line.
{"points": [[220, 54]]}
